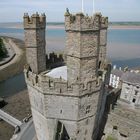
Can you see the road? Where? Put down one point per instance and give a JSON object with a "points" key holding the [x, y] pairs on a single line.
{"points": [[27, 132]]}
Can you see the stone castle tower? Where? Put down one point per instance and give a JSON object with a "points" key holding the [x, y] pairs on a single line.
{"points": [[34, 28], [66, 107]]}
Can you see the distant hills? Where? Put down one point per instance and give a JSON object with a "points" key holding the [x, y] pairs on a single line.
{"points": [[20, 25], [125, 23], [110, 23]]}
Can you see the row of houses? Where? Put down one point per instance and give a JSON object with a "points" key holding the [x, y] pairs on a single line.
{"points": [[129, 82]]}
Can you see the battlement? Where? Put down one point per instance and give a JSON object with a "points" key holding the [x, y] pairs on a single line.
{"points": [[35, 21], [81, 22], [104, 22], [50, 85], [54, 60]]}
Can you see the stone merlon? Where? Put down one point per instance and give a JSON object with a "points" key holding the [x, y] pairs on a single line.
{"points": [[81, 22], [50, 85], [35, 21]]}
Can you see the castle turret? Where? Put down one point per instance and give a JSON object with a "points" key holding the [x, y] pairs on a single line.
{"points": [[103, 41], [34, 28], [82, 46]]}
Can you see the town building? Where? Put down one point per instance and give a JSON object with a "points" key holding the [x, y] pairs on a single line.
{"points": [[115, 78], [131, 88], [129, 83]]}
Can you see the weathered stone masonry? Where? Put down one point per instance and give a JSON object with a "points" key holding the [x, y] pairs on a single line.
{"points": [[72, 102], [34, 29]]}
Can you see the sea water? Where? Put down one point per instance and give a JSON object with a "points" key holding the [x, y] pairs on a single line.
{"points": [[123, 49], [122, 44]]}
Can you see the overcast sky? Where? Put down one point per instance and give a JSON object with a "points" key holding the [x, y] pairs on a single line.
{"points": [[116, 10]]}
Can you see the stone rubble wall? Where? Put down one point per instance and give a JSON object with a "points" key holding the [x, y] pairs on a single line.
{"points": [[126, 121]]}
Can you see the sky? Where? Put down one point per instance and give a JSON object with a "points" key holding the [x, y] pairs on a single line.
{"points": [[116, 10]]}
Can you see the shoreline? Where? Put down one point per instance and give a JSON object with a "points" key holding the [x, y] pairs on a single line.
{"points": [[16, 64], [11, 53], [128, 27], [18, 105], [63, 27]]}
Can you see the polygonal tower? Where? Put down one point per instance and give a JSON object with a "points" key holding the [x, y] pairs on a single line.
{"points": [[82, 50], [34, 28], [65, 101], [82, 46]]}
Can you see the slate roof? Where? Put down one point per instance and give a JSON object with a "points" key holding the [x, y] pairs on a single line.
{"points": [[117, 72], [131, 77]]}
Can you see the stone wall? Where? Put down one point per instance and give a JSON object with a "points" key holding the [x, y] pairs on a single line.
{"points": [[58, 86], [54, 60], [126, 121], [65, 106]]}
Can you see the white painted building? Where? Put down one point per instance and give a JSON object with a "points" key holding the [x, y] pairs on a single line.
{"points": [[115, 77], [131, 88]]}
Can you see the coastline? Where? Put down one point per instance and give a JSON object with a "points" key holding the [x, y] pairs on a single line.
{"points": [[18, 105], [131, 27], [63, 27], [15, 65]]}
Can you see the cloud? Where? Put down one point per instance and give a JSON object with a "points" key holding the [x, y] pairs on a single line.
{"points": [[12, 10]]}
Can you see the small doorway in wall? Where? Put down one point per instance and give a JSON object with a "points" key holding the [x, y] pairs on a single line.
{"points": [[134, 100]]}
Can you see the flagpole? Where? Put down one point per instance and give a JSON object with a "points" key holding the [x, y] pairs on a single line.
{"points": [[82, 6], [93, 6]]}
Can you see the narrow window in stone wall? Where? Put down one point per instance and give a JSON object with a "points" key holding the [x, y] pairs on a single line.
{"points": [[136, 92], [50, 83], [134, 100], [125, 96], [60, 111], [88, 109]]}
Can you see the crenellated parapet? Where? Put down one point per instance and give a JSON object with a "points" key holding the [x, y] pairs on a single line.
{"points": [[49, 85], [81, 22], [35, 21], [104, 22]]}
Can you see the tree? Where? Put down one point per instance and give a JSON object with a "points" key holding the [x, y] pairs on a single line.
{"points": [[3, 51]]}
